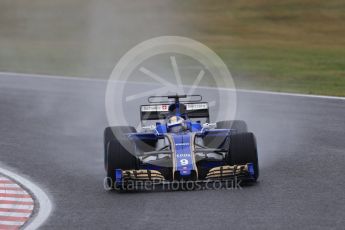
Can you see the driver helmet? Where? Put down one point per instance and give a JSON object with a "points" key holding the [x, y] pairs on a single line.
{"points": [[176, 124]]}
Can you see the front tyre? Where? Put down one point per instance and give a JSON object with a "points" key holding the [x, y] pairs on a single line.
{"points": [[110, 133], [243, 150], [119, 155]]}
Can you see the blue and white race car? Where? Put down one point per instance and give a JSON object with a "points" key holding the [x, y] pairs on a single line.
{"points": [[179, 146]]}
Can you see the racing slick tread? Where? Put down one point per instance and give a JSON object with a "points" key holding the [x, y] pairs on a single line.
{"points": [[118, 157], [110, 133], [243, 150]]}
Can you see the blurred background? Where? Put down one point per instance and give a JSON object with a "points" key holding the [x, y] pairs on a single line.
{"points": [[289, 46]]}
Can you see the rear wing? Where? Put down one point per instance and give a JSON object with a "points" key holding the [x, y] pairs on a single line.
{"points": [[161, 111]]}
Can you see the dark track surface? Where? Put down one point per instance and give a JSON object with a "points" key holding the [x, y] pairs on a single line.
{"points": [[51, 132]]}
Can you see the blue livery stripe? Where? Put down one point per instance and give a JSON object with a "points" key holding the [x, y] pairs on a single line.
{"points": [[184, 158]]}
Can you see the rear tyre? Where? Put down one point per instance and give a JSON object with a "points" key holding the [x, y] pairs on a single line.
{"points": [[243, 150], [238, 125], [110, 133]]}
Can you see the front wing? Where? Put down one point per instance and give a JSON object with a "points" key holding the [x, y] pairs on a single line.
{"points": [[144, 178]]}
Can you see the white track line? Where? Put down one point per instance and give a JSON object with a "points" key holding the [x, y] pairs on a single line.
{"points": [[205, 87], [289, 94], [51, 77], [45, 205]]}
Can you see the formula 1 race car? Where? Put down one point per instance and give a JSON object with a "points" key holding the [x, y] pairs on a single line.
{"points": [[179, 145]]}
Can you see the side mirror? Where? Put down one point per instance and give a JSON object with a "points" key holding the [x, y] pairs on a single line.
{"points": [[149, 128], [209, 125]]}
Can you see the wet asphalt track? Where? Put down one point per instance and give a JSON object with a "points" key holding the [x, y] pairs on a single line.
{"points": [[51, 132]]}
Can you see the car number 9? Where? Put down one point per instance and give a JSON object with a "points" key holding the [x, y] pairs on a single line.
{"points": [[184, 162]]}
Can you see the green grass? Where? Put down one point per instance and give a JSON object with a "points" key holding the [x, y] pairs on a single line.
{"points": [[314, 71], [289, 46]]}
